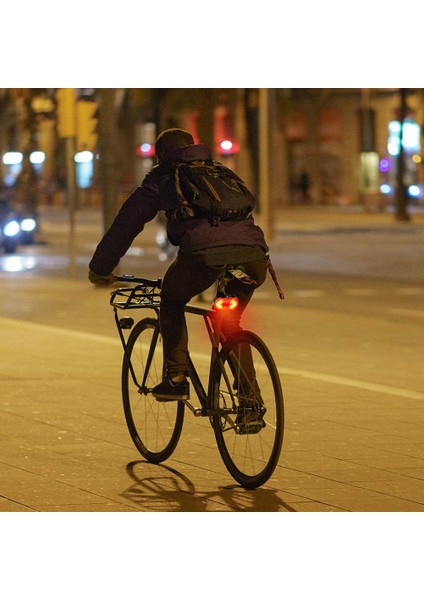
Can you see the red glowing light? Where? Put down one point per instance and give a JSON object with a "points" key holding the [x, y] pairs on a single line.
{"points": [[145, 150], [221, 303], [228, 147]]}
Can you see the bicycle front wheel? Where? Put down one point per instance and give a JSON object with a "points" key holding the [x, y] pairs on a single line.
{"points": [[155, 427], [250, 437]]}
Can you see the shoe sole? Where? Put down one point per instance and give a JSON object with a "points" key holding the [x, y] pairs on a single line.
{"points": [[251, 428], [170, 398]]}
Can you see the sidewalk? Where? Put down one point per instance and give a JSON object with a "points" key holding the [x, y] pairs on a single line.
{"points": [[343, 218]]}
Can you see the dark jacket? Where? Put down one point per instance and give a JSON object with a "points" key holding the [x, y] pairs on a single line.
{"points": [[157, 192]]}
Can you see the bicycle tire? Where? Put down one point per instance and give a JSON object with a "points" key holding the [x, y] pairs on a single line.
{"points": [[155, 427], [250, 457]]}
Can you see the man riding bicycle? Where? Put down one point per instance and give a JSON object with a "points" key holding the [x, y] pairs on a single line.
{"points": [[205, 249]]}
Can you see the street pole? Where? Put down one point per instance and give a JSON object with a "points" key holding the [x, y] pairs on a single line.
{"points": [[400, 194], [66, 125], [72, 194], [109, 161], [264, 163]]}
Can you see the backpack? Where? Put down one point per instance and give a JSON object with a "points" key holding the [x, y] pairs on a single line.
{"points": [[210, 190]]}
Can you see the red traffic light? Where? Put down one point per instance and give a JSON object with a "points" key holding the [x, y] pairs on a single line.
{"points": [[226, 147], [145, 150]]}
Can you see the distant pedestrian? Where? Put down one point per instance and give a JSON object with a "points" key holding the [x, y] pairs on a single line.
{"points": [[304, 187]]}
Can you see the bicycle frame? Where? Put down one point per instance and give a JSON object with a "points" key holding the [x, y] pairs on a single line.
{"points": [[145, 296], [210, 318]]}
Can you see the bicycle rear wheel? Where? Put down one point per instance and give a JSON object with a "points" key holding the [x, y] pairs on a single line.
{"points": [[155, 427], [250, 440]]}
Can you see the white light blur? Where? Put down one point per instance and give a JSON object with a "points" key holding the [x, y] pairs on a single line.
{"points": [[385, 188], [414, 190], [15, 264], [28, 224], [226, 145], [37, 157], [11, 229], [410, 137], [83, 157], [12, 158]]}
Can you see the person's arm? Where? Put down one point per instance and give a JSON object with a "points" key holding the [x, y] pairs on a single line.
{"points": [[140, 208]]}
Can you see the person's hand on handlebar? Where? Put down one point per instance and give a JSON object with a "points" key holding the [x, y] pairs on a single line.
{"points": [[101, 280]]}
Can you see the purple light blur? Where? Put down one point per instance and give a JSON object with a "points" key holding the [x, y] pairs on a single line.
{"points": [[384, 165]]}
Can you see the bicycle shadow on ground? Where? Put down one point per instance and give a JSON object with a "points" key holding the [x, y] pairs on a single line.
{"points": [[160, 488]]}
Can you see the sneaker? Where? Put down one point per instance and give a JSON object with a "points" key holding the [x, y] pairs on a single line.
{"points": [[250, 419], [250, 411], [168, 390]]}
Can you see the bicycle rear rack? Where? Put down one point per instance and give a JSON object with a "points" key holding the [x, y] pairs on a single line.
{"points": [[140, 296]]}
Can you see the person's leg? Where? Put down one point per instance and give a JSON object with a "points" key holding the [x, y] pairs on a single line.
{"points": [[185, 279], [244, 379], [257, 270]]}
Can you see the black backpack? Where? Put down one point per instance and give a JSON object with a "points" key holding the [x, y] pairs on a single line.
{"points": [[208, 189]]}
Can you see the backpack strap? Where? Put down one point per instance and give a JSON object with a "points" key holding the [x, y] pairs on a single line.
{"points": [[274, 278], [184, 209]]}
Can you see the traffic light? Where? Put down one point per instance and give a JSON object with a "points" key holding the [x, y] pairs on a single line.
{"points": [[227, 147], [145, 150], [86, 125], [66, 112]]}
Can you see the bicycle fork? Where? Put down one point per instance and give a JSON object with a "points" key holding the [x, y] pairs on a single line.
{"points": [[127, 323]]}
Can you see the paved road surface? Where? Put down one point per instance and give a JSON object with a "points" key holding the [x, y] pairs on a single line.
{"points": [[349, 345]]}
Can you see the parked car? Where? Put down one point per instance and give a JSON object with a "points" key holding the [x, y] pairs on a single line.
{"points": [[16, 228]]}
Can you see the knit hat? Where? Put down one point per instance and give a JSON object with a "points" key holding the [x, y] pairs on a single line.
{"points": [[170, 139]]}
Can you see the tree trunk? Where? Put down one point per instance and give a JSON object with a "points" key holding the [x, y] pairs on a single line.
{"points": [[109, 168]]}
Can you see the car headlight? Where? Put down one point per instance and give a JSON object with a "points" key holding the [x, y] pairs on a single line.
{"points": [[11, 229], [28, 224]]}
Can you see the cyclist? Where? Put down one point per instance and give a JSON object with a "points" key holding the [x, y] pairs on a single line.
{"points": [[204, 250]]}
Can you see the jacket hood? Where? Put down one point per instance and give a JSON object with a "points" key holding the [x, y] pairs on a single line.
{"points": [[188, 153]]}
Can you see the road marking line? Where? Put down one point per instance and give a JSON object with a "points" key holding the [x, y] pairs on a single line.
{"points": [[407, 312], [364, 385], [409, 291], [307, 293], [94, 337], [359, 292], [263, 295]]}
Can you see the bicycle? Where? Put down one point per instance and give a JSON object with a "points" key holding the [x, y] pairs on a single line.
{"points": [[245, 407]]}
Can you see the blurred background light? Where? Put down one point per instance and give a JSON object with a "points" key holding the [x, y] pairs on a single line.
{"points": [[85, 156], [37, 157], [12, 158], [414, 190]]}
